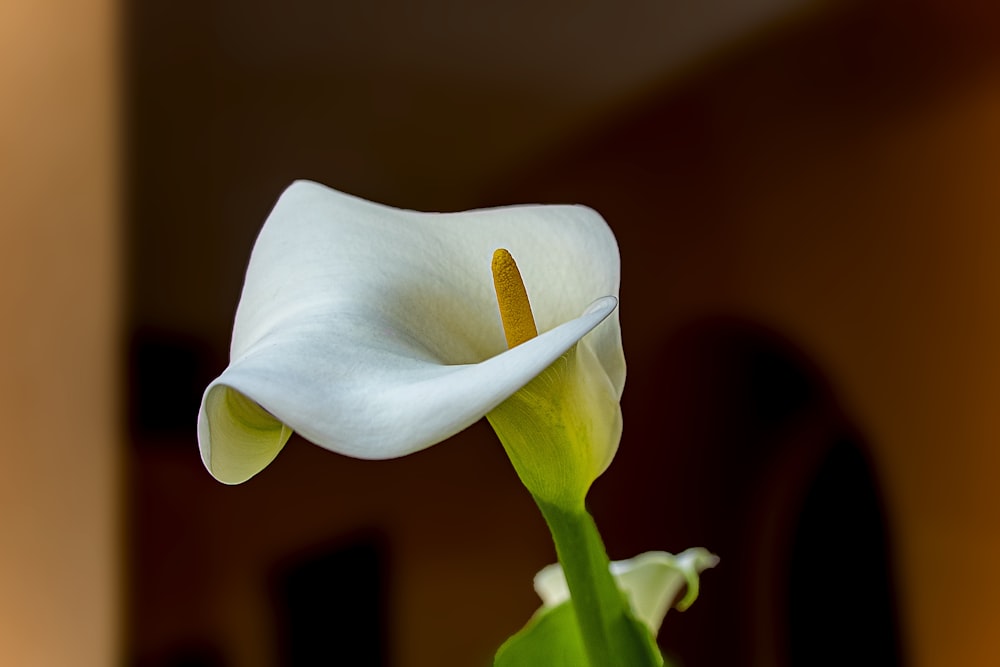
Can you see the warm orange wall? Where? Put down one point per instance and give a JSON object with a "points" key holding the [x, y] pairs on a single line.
{"points": [[58, 386], [842, 187], [896, 290]]}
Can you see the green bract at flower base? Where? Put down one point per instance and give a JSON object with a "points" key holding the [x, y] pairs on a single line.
{"points": [[374, 331], [561, 430]]}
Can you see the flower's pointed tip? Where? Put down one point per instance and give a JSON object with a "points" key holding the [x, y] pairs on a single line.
{"points": [[605, 305]]}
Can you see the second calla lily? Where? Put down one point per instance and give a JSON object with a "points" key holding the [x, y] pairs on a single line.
{"points": [[374, 332], [652, 582]]}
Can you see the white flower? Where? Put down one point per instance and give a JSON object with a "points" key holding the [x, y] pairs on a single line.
{"points": [[651, 581], [374, 332]]}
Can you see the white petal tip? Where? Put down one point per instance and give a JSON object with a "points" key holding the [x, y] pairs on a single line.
{"points": [[604, 305]]}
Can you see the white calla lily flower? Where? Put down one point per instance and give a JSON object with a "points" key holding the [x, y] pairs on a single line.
{"points": [[651, 581], [374, 332]]}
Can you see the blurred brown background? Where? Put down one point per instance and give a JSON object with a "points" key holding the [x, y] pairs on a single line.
{"points": [[805, 198]]}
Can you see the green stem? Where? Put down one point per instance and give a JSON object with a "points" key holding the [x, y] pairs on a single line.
{"points": [[608, 630]]}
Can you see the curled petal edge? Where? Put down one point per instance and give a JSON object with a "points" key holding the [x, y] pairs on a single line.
{"points": [[249, 412]]}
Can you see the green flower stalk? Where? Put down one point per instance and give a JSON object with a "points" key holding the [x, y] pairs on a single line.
{"points": [[560, 432]]}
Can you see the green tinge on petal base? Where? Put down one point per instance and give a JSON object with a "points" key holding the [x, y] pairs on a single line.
{"points": [[244, 437], [561, 430]]}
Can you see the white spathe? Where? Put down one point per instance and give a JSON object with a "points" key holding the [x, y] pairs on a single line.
{"points": [[374, 331], [652, 582]]}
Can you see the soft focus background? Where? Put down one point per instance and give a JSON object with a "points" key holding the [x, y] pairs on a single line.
{"points": [[61, 561], [806, 198]]}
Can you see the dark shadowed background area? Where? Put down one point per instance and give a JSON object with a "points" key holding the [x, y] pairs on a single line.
{"points": [[806, 200]]}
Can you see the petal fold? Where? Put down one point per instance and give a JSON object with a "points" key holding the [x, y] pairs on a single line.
{"points": [[406, 405]]}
